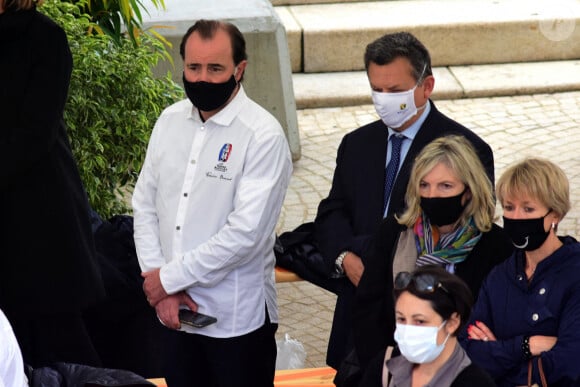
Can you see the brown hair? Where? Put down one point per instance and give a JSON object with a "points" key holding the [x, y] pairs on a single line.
{"points": [[207, 29], [453, 296], [21, 5]]}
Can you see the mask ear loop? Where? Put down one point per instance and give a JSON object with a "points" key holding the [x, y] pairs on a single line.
{"points": [[421, 76], [419, 108], [448, 334]]}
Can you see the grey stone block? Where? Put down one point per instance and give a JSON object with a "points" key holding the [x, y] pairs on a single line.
{"points": [[268, 76]]}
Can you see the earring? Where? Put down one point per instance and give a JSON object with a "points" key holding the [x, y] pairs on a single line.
{"points": [[553, 225]]}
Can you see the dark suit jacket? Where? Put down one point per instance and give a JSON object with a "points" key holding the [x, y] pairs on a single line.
{"points": [[47, 262], [374, 308], [353, 210]]}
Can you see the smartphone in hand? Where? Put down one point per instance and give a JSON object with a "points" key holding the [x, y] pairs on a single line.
{"points": [[195, 319]]}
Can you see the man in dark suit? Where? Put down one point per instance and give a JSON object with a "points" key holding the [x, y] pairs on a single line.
{"points": [[362, 194]]}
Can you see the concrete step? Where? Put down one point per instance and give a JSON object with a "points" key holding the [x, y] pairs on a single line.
{"points": [[453, 82], [310, 2], [332, 37]]}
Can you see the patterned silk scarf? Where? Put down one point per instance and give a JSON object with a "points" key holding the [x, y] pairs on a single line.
{"points": [[452, 248]]}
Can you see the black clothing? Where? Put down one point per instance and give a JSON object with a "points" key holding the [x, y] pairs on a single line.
{"points": [[242, 361], [471, 376], [47, 266], [374, 309]]}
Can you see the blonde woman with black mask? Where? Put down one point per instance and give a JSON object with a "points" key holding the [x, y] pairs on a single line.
{"points": [[528, 310], [448, 222]]}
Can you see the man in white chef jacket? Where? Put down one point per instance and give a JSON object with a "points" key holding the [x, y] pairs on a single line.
{"points": [[205, 208]]}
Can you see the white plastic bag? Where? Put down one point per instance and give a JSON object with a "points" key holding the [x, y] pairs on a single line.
{"points": [[291, 353]]}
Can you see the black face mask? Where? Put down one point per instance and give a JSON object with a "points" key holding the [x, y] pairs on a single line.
{"points": [[443, 211], [526, 234], [208, 96]]}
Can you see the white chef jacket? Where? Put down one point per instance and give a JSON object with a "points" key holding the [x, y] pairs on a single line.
{"points": [[205, 208], [11, 364]]}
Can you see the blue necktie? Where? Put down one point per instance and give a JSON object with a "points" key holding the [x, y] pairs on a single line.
{"points": [[392, 167]]}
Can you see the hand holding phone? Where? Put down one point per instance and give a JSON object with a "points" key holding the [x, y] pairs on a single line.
{"points": [[195, 319]]}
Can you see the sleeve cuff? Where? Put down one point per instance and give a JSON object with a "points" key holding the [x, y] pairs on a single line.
{"points": [[174, 276]]}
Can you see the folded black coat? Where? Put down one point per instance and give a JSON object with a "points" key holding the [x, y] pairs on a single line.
{"points": [[124, 329], [296, 251], [68, 374]]}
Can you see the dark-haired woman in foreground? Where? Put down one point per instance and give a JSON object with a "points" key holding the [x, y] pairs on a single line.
{"points": [[431, 307]]}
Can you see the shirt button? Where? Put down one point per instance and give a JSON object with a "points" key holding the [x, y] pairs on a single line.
{"points": [[542, 291], [192, 161], [520, 277], [185, 194], [535, 317], [202, 128], [178, 228]]}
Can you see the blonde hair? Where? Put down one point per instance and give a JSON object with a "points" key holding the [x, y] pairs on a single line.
{"points": [[539, 179], [458, 154]]}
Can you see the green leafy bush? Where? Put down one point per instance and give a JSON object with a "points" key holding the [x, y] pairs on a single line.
{"points": [[118, 18], [114, 100]]}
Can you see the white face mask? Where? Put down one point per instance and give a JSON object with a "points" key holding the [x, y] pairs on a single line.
{"points": [[396, 108], [418, 344]]}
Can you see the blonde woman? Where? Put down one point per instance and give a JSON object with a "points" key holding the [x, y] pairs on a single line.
{"points": [[448, 223], [528, 308]]}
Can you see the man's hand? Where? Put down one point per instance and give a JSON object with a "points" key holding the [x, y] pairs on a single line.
{"points": [[168, 309], [353, 267], [152, 287]]}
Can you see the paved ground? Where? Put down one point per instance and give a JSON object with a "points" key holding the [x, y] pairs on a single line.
{"points": [[546, 125]]}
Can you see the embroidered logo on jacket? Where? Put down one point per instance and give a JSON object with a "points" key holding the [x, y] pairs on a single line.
{"points": [[224, 155], [225, 152]]}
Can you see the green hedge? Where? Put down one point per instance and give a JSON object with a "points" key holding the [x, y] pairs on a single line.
{"points": [[114, 100]]}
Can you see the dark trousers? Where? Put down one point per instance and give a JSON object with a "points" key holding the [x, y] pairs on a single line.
{"points": [[46, 339], [191, 360]]}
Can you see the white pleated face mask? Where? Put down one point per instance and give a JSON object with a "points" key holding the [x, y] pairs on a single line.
{"points": [[418, 344], [396, 108]]}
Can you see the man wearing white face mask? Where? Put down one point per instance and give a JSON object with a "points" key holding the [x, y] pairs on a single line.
{"points": [[206, 205], [373, 166]]}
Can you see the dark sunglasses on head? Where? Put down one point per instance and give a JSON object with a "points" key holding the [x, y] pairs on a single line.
{"points": [[423, 283]]}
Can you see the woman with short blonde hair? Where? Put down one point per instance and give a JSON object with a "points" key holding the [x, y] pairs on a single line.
{"points": [[538, 178], [525, 321]]}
